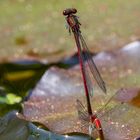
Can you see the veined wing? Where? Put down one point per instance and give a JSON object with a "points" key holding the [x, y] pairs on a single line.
{"points": [[87, 124], [86, 72], [82, 111], [92, 65]]}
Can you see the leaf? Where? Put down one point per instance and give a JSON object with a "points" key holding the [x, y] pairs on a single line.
{"points": [[11, 126], [12, 98]]}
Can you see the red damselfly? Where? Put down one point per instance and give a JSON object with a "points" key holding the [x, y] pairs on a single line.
{"points": [[74, 26]]}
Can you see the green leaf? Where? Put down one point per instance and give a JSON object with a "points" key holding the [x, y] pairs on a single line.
{"points": [[12, 98]]}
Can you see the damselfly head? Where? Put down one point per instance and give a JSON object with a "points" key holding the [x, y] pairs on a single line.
{"points": [[69, 11]]}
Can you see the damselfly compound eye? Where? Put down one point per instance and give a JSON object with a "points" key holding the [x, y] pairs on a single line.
{"points": [[69, 11]]}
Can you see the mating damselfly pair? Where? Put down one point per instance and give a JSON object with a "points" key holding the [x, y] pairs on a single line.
{"points": [[89, 71]]}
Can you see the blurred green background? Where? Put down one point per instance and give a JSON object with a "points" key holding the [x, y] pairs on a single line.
{"points": [[36, 28]]}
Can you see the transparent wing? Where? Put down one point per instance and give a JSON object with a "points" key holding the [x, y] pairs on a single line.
{"points": [[101, 113], [88, 126], [106, 104], [92, 65], [86, 73], [83, 116], [89, 83], [82, 111]]}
